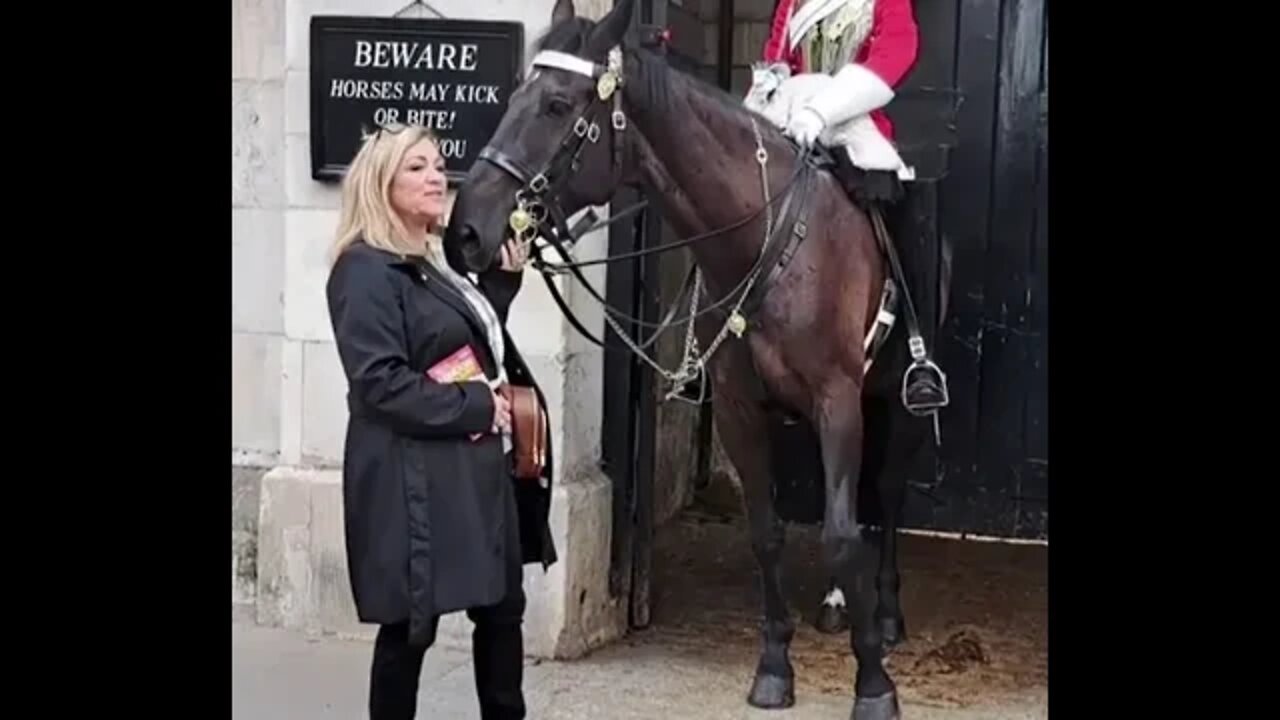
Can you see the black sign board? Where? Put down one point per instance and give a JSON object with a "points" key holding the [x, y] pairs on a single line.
{"points": [[453, 76]]}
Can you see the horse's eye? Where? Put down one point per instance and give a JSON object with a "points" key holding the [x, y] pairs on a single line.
{"points": [[559, 106]]}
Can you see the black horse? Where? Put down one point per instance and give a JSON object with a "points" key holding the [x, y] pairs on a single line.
{"points": [[794, 272]]}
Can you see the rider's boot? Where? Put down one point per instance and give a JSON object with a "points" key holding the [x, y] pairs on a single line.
{"points": [[924, 388]]}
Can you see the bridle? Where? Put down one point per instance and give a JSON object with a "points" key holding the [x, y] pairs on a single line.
{"points": [[538, 195]]}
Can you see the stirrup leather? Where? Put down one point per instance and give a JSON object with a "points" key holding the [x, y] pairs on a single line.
{"points": [[924, 385]]}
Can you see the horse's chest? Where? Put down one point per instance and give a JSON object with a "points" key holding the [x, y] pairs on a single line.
{"points": [[787, 373]]}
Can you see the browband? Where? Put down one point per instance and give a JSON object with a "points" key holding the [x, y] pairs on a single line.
{"points": [[565, 61]]}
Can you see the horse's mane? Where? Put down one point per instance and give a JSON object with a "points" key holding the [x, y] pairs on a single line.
{"points": [[648, 76]]}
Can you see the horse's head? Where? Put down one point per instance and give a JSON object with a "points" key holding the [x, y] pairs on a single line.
{"points": [[560, 144]]}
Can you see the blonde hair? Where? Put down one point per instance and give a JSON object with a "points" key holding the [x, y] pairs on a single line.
{"points": [[366, 193]]}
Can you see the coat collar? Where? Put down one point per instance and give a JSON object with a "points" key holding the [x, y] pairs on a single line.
{"points": [[436, 282]]}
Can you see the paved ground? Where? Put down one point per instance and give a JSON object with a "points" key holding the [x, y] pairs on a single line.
{"points": [[284, 675]]}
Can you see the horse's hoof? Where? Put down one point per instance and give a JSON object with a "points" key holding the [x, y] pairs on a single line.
{"points": [[884, 707], [831, 619], [893, 630], [772, 692]]}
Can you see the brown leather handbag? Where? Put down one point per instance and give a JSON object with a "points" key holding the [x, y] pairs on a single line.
{"points": [[528, 430]]}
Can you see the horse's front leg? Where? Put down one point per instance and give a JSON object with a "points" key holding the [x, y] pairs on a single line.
{"points": [[852, 557], [741, 422], [833, 616], [881, 423]]}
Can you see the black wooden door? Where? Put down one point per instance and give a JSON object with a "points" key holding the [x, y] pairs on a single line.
{"points": [[989, 200], [629, 432], [627, 425], [972, 119]]}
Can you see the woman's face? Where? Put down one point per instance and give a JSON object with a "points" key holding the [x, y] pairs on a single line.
{"points": [[417, 191]]}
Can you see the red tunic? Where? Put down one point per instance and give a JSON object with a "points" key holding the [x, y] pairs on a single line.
{"points": [[889, 50]]}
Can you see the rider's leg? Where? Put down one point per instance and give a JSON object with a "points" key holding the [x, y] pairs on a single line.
{"points": [[904, 214], [906, 223]]}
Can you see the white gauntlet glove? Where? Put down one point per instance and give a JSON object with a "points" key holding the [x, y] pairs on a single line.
{"points": [[804, 126], [854, 91]]}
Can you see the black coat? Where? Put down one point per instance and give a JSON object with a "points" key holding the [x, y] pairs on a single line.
{"points": [[426, 508]]}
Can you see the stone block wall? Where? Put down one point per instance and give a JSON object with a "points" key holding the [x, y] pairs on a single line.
{"points": [[288, 395], [288, 398], [257, 277]]}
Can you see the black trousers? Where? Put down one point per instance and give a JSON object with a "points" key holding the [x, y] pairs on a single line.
{"points": [[497, 657], [497, 649]]}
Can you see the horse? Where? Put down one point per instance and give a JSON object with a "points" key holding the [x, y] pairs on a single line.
{"points": [[798, 272]]}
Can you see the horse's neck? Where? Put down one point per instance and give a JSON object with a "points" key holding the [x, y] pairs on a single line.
{"points": [[703, 167]]}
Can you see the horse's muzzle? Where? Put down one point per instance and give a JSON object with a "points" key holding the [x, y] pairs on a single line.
{"points": [[466, 239]]}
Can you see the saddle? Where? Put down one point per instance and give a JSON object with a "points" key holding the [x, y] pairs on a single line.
{"points": [[866, 188]]}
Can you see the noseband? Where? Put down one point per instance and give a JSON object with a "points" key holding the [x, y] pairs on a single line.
{"points": [[539, 192]]}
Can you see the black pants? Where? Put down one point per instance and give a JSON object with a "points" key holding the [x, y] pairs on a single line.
{"points": [[497, 647]]}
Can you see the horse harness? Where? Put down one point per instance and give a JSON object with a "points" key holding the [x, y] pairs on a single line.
{"points": [[537, 199], [531, 198]]}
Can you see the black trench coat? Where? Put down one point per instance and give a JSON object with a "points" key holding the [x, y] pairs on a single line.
{"points": [[426, 509]]}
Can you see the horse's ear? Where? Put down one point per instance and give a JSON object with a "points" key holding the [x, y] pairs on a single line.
{"points": [[611, 29], [562, 11]]}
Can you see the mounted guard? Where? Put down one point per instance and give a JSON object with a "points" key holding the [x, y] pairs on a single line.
{"points": [[829, 70]]}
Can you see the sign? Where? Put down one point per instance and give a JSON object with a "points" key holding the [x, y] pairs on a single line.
{"points": [[452, 76]]}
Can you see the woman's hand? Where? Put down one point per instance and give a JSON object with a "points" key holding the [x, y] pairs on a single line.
{"points": [[501, 413], [514, 255]]}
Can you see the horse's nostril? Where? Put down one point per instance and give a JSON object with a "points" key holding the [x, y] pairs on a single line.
{"points": [[470, 247]]}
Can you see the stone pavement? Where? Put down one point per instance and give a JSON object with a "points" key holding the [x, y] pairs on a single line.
{"points": [[286, 675]]}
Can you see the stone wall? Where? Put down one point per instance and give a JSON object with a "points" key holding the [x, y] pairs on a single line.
{"points": [[288, 398], [257, 278], [289, 413]]}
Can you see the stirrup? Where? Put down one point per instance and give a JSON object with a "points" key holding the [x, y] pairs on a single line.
{"points": [[924, 385]]}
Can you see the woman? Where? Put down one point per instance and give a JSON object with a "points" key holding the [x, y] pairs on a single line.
{"points": [[434, 520]]}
